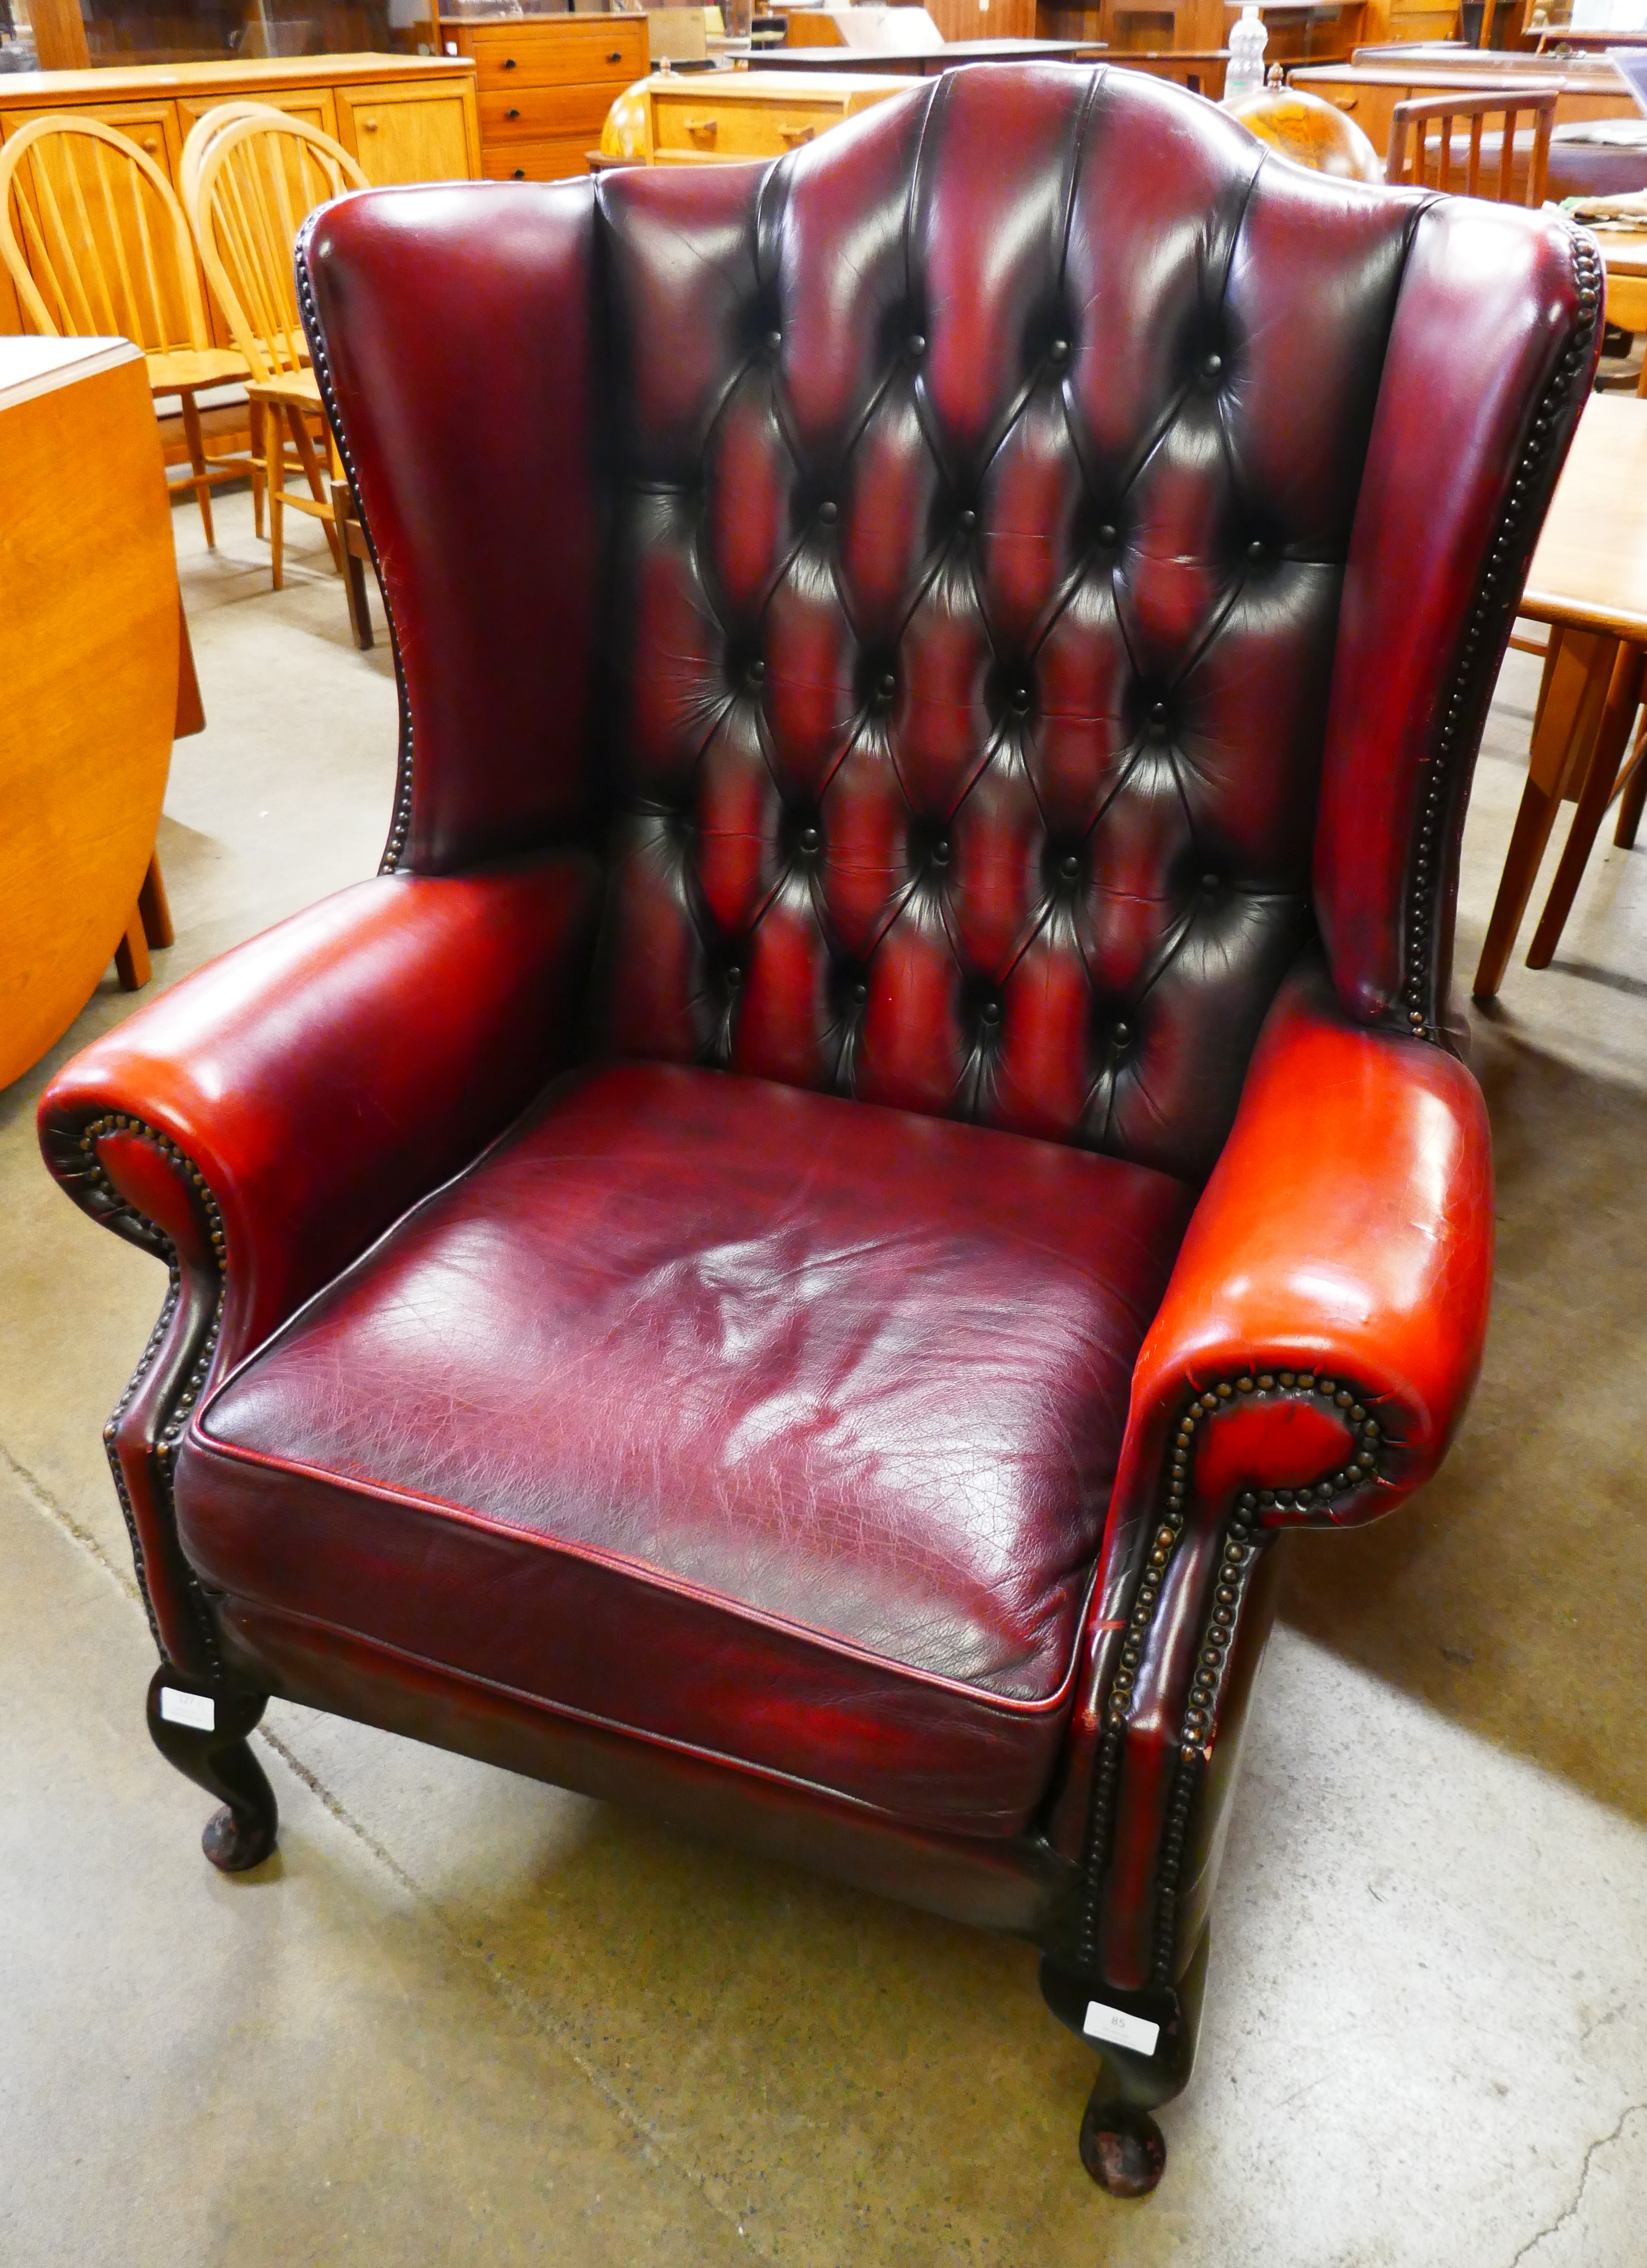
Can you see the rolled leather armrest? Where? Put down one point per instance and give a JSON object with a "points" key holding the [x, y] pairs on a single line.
{"points": [[261, 1123], [318, 1080], [1314, 1352]]}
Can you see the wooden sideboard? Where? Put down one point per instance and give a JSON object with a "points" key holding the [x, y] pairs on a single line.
{"points": [[1369, 91], [545, 84], [406, 118]]}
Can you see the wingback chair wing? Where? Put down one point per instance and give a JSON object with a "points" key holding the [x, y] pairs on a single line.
{"points": [[891, 1123]]}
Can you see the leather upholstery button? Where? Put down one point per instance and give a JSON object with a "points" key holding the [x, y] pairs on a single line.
{"points": [[1123, 1032], [968, 521], [1107, 534], [809, 838], [859, 992], [1157, 712], [1069, 866], [1019, 698], [756, 673], [774, 340], [735, 978], [1213, 365], [990, 1014], [1255, 549], [1059, 352], [1209, 883], [829, 514], [886, 685], [941, 852], [917, 346]]}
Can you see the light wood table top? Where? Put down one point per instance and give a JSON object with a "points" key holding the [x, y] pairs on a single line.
{"points": [[1590, 571]]}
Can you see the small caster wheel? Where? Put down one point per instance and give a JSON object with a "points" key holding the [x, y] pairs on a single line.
{"points": [[1123, 2149]]}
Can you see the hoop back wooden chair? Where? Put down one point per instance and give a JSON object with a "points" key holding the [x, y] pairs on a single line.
{"points": [[97, 245], [1415, 160], [251, 184]]}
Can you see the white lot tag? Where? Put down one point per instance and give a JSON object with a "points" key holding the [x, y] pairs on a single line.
{"points": [[197, 1709], [1120, 2029]]}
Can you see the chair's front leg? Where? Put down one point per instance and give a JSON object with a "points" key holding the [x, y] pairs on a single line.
{"points": [[202, 1730]]}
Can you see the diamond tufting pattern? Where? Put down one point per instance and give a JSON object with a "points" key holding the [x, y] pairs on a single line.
{"points": [[977, 597]]}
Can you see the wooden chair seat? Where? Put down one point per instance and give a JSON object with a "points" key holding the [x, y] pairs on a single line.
{"points": [[183, 370]]}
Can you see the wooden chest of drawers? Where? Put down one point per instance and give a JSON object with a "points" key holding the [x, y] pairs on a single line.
{"points": [[545, 83]]}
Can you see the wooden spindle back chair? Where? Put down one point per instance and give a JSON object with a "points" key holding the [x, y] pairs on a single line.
{"points": [[1412, 155], [254, 181], [98, 246]]}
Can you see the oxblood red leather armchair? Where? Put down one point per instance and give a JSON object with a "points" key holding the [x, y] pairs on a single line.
{"points": [[888, 1125]]}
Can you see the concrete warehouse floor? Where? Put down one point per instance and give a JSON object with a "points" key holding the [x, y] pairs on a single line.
{"points": [[462, 2017]]}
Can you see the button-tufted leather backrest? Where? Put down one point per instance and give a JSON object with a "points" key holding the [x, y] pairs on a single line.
{"points": [[991, 584], [986, 475]]}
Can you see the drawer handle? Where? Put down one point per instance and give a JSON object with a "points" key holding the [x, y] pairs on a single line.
{"points": [[617, 56], [511, 113], [793, 134], [702, 130], [508, 63], [370, 125], [151, 145], [519, 173], [1346, 101]]}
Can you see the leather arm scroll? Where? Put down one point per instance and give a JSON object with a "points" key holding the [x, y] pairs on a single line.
{"points": [[1316, 1348], [261, 1123]]}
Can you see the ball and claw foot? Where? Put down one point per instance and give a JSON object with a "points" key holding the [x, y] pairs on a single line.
{"points": [[1123, 2149], [202, 1731]]}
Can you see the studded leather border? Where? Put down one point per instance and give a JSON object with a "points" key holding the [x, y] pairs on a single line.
{"points": [[1482, 651], [176, 1416], [400, 822], [1244, 1541]]}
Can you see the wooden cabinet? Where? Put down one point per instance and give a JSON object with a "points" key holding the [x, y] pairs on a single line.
{"points": [[545, 83], [403, 133], [407, 119]]}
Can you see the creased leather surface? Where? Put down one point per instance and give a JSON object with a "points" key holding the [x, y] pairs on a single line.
{"points": [[811, 1409]]}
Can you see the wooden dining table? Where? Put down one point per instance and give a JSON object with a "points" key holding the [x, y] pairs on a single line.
{"points": [[1588, 580], [1624, 255]]}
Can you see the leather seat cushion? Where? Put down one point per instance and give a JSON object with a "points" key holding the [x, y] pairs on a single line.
{"points": [[748, 1420]]}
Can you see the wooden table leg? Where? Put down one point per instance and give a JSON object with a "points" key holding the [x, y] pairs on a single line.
{"points": [[153, 911], [131, 956], [1632, 791], [1577, 673], [1624, 693]]}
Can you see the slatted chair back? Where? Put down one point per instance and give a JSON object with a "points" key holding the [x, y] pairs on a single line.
{"points": [[95, 239], [257, 180], [204, 132], [1417, 161]]}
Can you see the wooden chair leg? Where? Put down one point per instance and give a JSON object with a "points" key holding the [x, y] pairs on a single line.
{"points": [[354, 565], [1624, 693], [1632, 793], [131, 955], [193, 436], [1577, 675], [255, 444], [153, 911], [274, 473], [311, 465]]}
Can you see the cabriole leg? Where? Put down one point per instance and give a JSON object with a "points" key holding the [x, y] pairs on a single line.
{"points": [[1146, 2042], [202, 1730]]}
